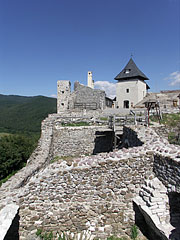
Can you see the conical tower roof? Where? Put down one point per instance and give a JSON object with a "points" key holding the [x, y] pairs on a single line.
{"points": [[131, 71]]}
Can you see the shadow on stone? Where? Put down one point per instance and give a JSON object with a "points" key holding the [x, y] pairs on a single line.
{"points": [[130, 138], [145, 225], [103, 142], [13, 232], [174, 204]]}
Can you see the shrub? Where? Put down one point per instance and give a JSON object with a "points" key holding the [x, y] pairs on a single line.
{"points": [[134, 232]]}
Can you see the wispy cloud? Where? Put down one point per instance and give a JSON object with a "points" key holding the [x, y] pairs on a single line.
{"points": [[53, 95], [174, 78], [109, 88]]}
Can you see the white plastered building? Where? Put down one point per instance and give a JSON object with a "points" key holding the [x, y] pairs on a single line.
{"points": [[131, 87]]}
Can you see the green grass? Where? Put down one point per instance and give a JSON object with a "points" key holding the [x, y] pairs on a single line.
{"points": [[170, 120], [103, 118], [8, 177], [64, 236], [173, 122], [76, 124]]}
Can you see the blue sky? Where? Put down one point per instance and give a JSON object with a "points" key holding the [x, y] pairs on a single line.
{"points": [[42, 41]]}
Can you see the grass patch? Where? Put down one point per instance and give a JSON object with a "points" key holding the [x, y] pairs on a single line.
{"points": [[104, 119], [66, 236], [173, 139], [170, 120], [76, 124], [173, 122], [55, 159], [8, 177]]}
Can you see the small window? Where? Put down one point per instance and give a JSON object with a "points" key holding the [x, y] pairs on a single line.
{"points": [[127, 90], [62, 92], [62, 104], [127, 71]]}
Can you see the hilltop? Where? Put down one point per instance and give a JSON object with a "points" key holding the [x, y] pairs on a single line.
{"points": [[24, 114]]}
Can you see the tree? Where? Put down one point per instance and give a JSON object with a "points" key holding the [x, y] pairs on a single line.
{"points": [[14, 152]]}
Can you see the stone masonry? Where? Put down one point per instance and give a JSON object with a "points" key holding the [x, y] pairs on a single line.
{"points": [[83, 97], [95, 193]]}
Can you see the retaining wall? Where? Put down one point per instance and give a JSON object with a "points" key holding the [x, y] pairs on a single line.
{"points": [[74, 141]]}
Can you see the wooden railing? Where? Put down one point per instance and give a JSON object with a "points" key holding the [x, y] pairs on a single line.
{"points": [[91, 106], [115, 121]]}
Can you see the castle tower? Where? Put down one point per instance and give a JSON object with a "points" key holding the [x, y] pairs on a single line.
{"points": [[90, 81], [63, 94], [131, 87]]}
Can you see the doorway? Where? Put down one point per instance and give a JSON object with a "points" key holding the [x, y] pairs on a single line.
{"points": [[126, 104]]}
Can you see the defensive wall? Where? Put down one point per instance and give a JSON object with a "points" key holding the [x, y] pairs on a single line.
{"points": [[103, 194]]}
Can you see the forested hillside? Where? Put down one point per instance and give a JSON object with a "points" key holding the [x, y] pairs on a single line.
{"points": [[24, 114], [20, 125]]}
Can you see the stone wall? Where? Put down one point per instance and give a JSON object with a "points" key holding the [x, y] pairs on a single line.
{"points": [[74, 141], [40, 158], [63, 94], [168, 171], [84, 94], [93, 193]]}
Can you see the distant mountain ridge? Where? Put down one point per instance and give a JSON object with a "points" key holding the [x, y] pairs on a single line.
{"points": [[24, 114]]}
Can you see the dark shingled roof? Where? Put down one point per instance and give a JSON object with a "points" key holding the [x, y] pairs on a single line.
{"points": [[131, 71]]}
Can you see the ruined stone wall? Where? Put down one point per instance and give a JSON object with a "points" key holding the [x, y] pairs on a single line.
{"points": [[84, 94], [168, 171], [94, 193], [74, 141], [40, 158], [166, 164]]}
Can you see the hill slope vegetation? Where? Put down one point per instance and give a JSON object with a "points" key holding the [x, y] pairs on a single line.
{"points": [[24, 114], [20, 126]]}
